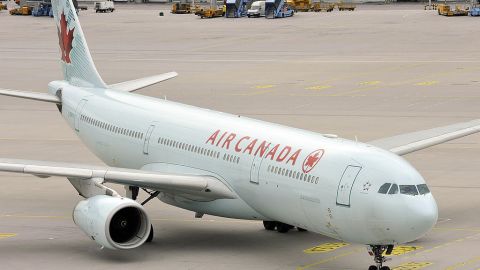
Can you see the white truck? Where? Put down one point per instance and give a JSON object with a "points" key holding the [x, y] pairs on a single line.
{"points": [[257, 9], [104, 6]]}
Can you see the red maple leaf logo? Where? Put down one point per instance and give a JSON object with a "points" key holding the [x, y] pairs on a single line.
{"points": [[312, 160], [65, 38]]}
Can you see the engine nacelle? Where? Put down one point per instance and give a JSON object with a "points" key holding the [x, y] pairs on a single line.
{"points": [[113, 222]]}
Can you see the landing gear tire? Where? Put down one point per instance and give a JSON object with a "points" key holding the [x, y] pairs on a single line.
{"points": [[150, 236], [377, 252], [283, 228], [269, 225]]}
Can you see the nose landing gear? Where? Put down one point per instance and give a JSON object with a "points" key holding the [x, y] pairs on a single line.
{"points": [[377, 252]]}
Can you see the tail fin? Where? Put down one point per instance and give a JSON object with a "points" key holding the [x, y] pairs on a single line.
{"points": [[77, 64]]}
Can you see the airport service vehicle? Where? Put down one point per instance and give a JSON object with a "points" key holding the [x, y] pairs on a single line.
{"points": [[277, 9], [42, 9], [104, 6], [474, 12], [342, 6], [181, 8], [445, 10], [257, 9], [320, 6], [225, 165], [235, 8], [24, 10]]}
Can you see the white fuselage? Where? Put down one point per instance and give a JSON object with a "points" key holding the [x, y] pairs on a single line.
{"points": [[323, 184]]}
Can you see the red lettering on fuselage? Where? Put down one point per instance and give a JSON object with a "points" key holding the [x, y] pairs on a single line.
{"points": [[213, 137], [228, 140], [252, 146], [237, 148]]}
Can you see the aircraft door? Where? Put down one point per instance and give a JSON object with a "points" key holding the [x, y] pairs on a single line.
{"points": [[346, 184], [78, 113], [255, 169], [146, 143]]}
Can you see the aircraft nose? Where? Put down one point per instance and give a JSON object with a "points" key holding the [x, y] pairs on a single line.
{"points": [[422, 215]]}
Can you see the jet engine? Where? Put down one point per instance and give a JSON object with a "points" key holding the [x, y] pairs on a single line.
{"points": [[113, 222]]}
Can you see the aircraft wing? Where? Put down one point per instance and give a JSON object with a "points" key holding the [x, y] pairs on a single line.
{"points": [[134, 85], [202, 186], [411, 142], [31, 95]]}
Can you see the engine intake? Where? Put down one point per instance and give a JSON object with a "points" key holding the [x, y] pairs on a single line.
{"points": [[113, 222]]}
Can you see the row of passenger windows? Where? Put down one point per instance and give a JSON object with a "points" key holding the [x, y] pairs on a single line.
{"points": [[189, 147], [231, 158], [111, 128], [389, 188], [293, 174]]}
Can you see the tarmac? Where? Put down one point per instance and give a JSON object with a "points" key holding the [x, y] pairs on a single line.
{"points": [[379, 71]]}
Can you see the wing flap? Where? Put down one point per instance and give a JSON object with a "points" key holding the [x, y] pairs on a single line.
{"points": [[202, 186], [31, 95], [133, 85], [410, 142]]}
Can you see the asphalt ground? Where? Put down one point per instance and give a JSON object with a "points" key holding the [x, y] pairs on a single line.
{"points": [[367, 74]]}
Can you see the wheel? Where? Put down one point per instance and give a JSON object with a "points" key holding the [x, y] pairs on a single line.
{"points": [[269, 225], [150, 236], [372, 267], [301, 229], [283, 228], [248, 15], [385, 268]]}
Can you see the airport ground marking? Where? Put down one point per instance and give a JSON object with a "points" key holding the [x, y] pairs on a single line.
{"points": [[329, 259], [426, 83], [265, 86], [366, 83], [7, 235], [326, 247], [465, 263], [401, 250], [443, 245], [412, 265], [318, 87]]}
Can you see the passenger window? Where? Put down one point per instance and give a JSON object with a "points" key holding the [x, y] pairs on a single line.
{"points": [[393, 189], [384, 188], [408, 190], [423, 189]]}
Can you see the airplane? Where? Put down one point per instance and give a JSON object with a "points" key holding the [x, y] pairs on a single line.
{"points": [[226, 165]]}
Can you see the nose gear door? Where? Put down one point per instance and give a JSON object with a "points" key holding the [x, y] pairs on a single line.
{"points": [[346, 184]]}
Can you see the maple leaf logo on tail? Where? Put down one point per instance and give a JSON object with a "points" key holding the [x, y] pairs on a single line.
{"points": [[312, 160], [65, 38]]}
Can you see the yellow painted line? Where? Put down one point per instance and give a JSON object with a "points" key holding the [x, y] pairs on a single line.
{"points": [[369, 83], [427, 83], [260, 92], [265, 86], [443, 245], [156, 219], [318, 87], [326, 247], [6, 235], [458, 229], [326, 260], [412, 266], [462, 264], [401, 250]]}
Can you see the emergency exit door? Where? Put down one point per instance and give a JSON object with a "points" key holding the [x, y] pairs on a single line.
{"points": [[346, 184], [148, 135], [78, 113]]}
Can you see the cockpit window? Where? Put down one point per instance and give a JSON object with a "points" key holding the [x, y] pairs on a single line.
{"points": [[423, 189], [393, 189], [384, 188], [408, 190]]}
